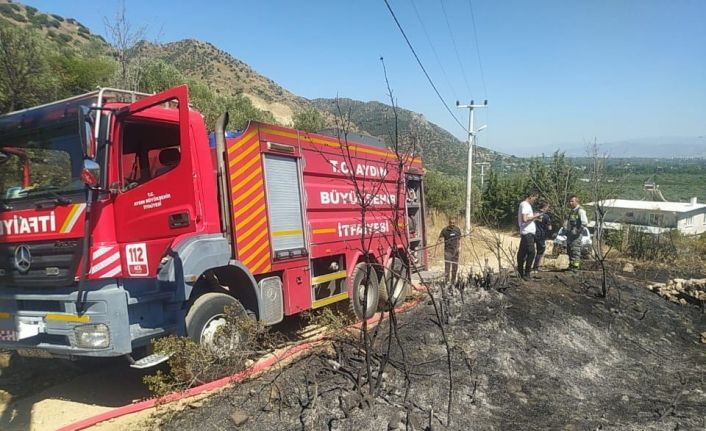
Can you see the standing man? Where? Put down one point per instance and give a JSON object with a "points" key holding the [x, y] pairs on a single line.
{"points": [[451, 235], [574, 226], [544, 226], [525, 220]]}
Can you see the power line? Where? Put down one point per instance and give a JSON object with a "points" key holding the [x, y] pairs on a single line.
{"points": [[453, 42], [436, 55], [475, 38], [422, 66]]}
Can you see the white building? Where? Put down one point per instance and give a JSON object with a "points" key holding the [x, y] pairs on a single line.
{"points": [[655, 216]]}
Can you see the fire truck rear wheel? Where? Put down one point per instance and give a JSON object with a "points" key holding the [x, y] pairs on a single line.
{"points": [[396, 270], [361, 277], [207, 315]]}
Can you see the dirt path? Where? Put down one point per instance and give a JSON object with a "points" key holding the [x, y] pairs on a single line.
{"points": [[44, 395], [543, 355]]}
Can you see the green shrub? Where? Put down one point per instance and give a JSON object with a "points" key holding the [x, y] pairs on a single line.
{"points": [[191, 364]]}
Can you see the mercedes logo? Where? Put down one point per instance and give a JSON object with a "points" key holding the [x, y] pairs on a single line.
{"points": [[23, 258]]}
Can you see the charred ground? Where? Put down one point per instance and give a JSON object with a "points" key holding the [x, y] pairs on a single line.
{"points": [[548, 354]]}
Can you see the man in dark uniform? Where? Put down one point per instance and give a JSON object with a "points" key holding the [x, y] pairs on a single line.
{"points": [[451, 235], [574, 226], [544, 226]]}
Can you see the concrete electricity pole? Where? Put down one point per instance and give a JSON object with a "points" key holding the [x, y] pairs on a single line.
{"points": [[471, 138], [482, 173]]}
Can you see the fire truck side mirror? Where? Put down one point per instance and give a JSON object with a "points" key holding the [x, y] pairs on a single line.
{"points": [[85, 127], [90, 173]]}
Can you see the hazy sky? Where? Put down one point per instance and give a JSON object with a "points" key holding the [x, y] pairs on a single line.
{"points": [[556, 73]]}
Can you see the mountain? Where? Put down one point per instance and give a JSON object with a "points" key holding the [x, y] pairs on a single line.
{"points": [[55, 28], [660, 148], [440, 149], [227, 75]]}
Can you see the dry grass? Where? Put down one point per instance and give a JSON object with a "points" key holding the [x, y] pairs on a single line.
{"points": [[483, 247]]}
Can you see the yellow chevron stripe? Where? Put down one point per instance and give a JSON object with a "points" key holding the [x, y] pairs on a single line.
{"points": [[256, 253], [247, 193], [245, 180], [245, 153], [250, 162], [256, 200], [259, 263], [254, 214], [251, 243], [325, 230], [253, 228], [240, 142]]}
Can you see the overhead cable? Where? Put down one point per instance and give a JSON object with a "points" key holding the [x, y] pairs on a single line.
{"points": [[422, 66], [475, 38], [431, 45], [453, 42]]}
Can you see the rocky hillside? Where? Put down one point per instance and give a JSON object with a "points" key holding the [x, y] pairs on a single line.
{"points": [[441, 149], [227, 75], [55, 28]]}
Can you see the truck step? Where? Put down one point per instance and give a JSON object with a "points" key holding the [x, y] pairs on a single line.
{"points": [[150, 361]]}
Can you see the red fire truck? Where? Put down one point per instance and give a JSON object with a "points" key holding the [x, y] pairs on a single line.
{"points": [[120, 222]]}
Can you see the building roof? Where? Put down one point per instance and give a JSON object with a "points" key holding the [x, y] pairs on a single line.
{"points": [[640, 228], [677, 207]]}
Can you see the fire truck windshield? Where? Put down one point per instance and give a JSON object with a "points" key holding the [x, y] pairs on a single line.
{"points": [[40, 160]]}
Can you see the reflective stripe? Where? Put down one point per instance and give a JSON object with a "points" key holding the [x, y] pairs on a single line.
{"points": [[329, 300], [68, 318], [328, 277]]}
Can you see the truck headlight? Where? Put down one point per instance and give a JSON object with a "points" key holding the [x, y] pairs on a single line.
{"points": [[92, 336]]}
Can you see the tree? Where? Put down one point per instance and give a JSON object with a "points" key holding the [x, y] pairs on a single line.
{"points": [[124, 40], [24, 80], [601, 192], [500, 199], [309, 120], [157, 75], [556, 181], [444, 192], [78, 74]]}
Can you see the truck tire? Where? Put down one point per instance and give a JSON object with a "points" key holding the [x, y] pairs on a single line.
{"points": [[207, 315], [359, 279], [396, 269]]}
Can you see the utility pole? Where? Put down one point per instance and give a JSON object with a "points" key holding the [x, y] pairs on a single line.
{"points": [[482, 173], [471, 138]]}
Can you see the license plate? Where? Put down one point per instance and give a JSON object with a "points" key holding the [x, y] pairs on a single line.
{"points": [[33, 353], [8, 335]]}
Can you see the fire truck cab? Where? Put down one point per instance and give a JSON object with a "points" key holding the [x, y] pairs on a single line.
{"points": [[120, 223]]}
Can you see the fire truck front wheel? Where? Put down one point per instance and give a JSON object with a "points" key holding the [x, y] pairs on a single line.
{"points": [[394, 287], [207, 316], [364, 275]]}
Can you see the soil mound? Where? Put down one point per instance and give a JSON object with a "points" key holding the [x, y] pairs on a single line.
{"points": [[545, 354]]}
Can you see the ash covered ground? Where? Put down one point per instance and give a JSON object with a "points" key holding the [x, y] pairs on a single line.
{"points": [[544, 354]]}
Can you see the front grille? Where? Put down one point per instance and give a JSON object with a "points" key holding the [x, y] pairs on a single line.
{"points": [[53, 264]]}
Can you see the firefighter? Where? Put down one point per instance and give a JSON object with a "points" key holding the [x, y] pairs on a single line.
{"points": [[574, 226], [451, 235]]}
